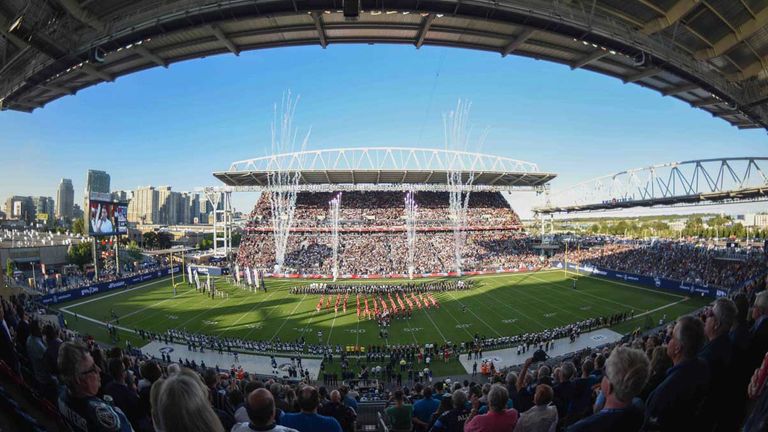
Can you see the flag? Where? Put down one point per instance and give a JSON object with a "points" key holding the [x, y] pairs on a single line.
{"points": [[237, 273], [358, 305], [255, 277], [248, 275], [189, 273], [197, 280], [208, 281]]}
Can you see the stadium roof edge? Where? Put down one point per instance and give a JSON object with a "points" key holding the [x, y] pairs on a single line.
{"points": [[387, 166]]}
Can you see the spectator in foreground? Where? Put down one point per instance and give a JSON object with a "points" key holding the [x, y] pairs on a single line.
{"points": [[81, 408], [423, 410], [498, 417], [453, 419], [124, 395], [717, 353], [675, 405], [343, 414], [543, 416], [308, 420], [400, 415], [180, 404], [626, 372], [261, 414]]}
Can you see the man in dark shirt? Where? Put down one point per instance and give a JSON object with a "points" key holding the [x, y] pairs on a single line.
{"points": [[717, 353], [676, 404], [626, 372], [453, 420], [81, 408], [125, 397], [344, 414]]}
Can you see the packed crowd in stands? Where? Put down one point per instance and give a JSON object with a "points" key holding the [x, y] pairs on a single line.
{"points": [[387, 253], [702, 372], [387, 209], [435, 286], [75, 278], [678, 260]]}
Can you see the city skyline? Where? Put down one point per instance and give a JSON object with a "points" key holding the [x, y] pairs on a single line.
{"points": [[577, 124]]}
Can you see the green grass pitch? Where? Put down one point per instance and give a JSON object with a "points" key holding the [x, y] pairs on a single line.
{"points": [[499, 305]]}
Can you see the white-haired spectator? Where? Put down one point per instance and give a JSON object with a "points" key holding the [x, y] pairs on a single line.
{"points": [[718, 354], [498, 418], [180, 404], [676, 403], [626, 372], [80, 406]]}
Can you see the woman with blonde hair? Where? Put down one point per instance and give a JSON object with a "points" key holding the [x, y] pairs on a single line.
{"points": [[180, 404]]}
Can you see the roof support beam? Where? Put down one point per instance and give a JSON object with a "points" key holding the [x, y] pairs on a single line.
{"points": [[149, 55], [594, 56], [681, 89], [77, 12], [318, 20], [426, 22], [707, 102], [750, 71], [732, 39], [57, 89], [223, 39], [92, 71], [674, 14], [642, 75], [519, 40]]}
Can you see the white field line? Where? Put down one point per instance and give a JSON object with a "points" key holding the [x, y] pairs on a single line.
{"points": [[286, 320], [623, 305], [156, 304], [98, 322], [634, 286], [436, 327], [444, 307], [251, 310], [473, 313], [661, 307], [197, 315], [113, 294]]}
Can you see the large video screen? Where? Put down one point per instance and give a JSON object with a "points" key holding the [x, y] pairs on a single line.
{"points": [[107, 218]]}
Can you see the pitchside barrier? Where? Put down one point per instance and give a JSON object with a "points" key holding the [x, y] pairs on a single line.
{"points": [[660, 283], [103, 287]]}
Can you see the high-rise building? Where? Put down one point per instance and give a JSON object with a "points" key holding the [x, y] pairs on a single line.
{"points": [[96, 181], [168, 205], [44, 207], [144, 206], [77, 212], [122, 196], [65, 199], [194, 208], [20, 208]]}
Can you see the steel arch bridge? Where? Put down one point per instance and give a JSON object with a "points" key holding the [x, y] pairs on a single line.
{"points": [[709, 54], [705, 181]]}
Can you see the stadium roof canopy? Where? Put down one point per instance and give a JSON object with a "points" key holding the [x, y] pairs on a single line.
{"points": [[387, 166], [710, 54]]}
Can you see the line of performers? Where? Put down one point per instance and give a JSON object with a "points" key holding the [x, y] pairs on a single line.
{"points": [[397, 304], [408, 288]]}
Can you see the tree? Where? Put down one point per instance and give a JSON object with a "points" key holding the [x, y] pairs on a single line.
{"points": [[80, 254], [79, 227], [8, 268], [150, 240], [164, 240]]}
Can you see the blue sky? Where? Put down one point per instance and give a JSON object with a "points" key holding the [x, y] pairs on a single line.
{"points": [[175, 126]]}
